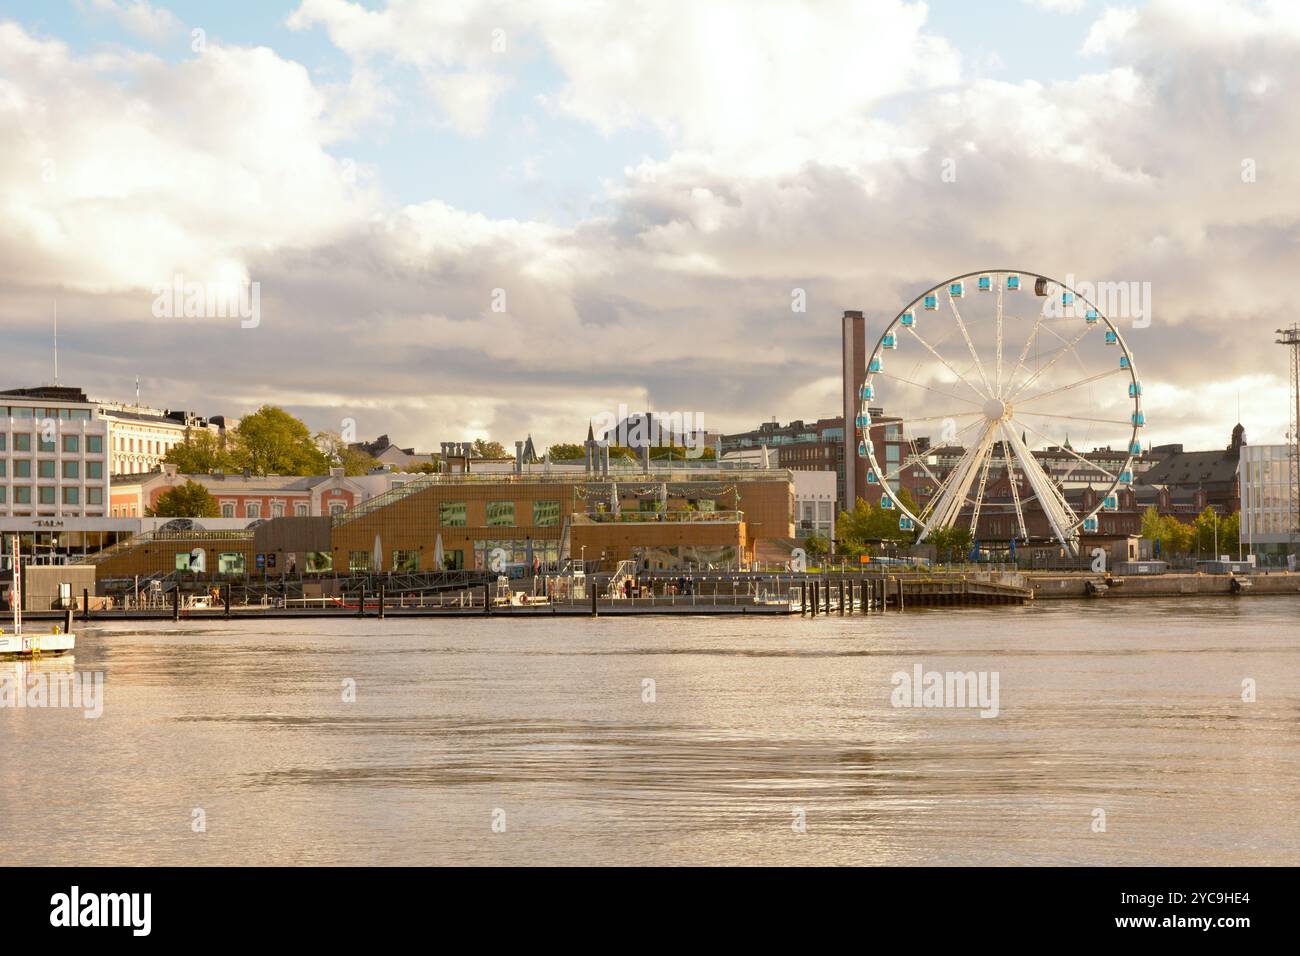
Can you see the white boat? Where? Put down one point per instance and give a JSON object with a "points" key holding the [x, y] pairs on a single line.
{"points": [[18, 644]]}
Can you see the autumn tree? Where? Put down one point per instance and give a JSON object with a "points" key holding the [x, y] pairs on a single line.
{"points": [[190, 500], [273, 442]]}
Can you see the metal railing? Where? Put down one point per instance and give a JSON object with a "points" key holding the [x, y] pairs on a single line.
{"points": [[654, 517]]}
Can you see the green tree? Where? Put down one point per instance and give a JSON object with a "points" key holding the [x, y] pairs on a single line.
{"points": [[869, 523], [1214, 535], [190, 500], [567, 451], [273, 442], [488, 449], [201, 453], [1174, 536], [817, 545], [951, 544]]}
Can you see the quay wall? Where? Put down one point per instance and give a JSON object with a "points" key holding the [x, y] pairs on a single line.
{"points": [[1048, 586]]}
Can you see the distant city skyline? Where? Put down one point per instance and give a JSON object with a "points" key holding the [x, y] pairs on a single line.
{"points": [[501, 219]]}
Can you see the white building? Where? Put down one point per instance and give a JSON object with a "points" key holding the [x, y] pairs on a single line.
{"points": [[1264, 478], [815, 503]]}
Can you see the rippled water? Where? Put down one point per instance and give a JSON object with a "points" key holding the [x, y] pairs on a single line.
{"points": [[1134, 708]]}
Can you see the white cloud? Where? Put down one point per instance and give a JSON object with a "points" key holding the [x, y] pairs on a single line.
{"points": [[137, 16]]}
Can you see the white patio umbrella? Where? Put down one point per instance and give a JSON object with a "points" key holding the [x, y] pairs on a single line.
{"points": [[378, 560], [438, 556]]}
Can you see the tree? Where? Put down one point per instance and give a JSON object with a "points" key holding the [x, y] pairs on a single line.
{"points": [[566, 451], [868, 523], [817, 545], [201, 453], [339, 454], [951, 543], [488, 449], [1174, 536], [190, 500], [273, 442]]}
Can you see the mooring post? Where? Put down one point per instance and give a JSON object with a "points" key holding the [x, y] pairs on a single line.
{"points": [[225, 597], [487, 599], [841, 597], [67, 619], [594, 611], [383, 593], [176, 602], [85, 604]]}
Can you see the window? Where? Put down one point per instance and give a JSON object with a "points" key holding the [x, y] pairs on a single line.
{"points": [[252, 509], [337, 508], [4, 439], [22, 496], [45, 469], [406, 560], [71, 495], [358, 560], [277, 509], [45, 496], [228, 510], [71, 469], [95, 470], [94, 496], [500, 514], [452, 514], [546, 514], [22, 443], [300, 509], [71, 444], [46, 446], [3, 492], [231, 562], [4, 468], [94, 444]]}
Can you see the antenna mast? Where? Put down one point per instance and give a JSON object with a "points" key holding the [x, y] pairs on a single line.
{"points": [[1291, 337]]}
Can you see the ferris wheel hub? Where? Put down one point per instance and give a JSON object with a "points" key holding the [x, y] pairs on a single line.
{"points": [[995, 410]]}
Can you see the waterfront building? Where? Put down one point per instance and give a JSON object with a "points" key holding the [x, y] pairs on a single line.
{"points": [[1213, 473], [252, 497], [1264, 476]]}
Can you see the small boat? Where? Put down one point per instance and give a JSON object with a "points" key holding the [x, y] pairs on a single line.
{"points": [[18, 644]]}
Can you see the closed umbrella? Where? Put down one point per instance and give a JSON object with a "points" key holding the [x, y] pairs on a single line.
{"points": [[378, 561], [438, 557]]}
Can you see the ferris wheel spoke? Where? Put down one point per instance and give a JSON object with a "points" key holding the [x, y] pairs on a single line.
{"points": [[1071, 452], [1074, 418], [918, 457], [979, 496], [1015, 486], [962, 378], [1024, 352], [1020, 402], [929, 509], [1054, 507], [1056, 357], [997, 378], [979, 366], [954, 496], [928, 388]]}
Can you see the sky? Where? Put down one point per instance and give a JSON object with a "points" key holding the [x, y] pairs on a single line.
{"points": [[499, 218]]}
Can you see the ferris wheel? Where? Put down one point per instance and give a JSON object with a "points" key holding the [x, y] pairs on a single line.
{"points": [[969, 378]]}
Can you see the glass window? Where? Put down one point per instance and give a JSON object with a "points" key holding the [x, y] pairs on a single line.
{"points": [[300, 509], [45, 469], [358, 560], [337, 508], [546, 514], [71, 496], [252, 509], [231, 562], [4, 439], [406, 560], [22, 442], [22, 496], [71, 469], [94, 496], [45, 496], [500, 514], [277, 509], [94, 469], [94, 444], [3, 493], [4, 468], [452, 514], [71, 444], [227, 510], [46, 446]]}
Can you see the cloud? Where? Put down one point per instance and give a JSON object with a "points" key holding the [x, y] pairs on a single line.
{"points": [[137, 16], [802, 154]]}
